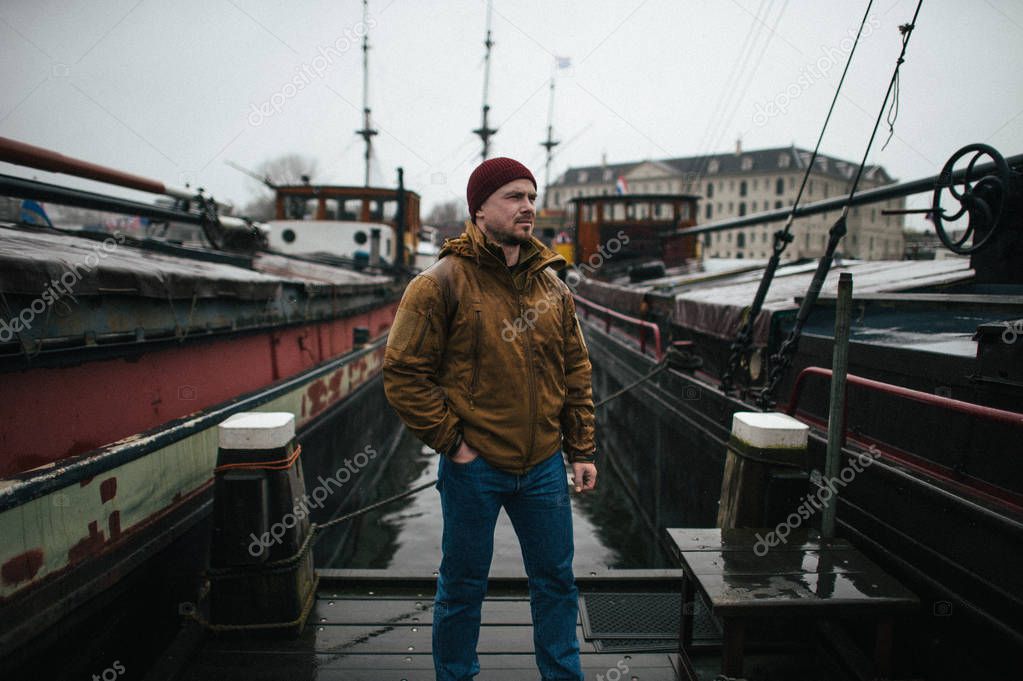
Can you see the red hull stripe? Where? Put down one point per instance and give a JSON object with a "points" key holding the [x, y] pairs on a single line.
{"points": [[51, 414]]}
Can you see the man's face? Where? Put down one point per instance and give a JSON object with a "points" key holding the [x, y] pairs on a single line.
{"points": [[508, 214]]}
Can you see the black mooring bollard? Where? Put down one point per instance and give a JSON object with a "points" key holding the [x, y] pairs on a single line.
{"points": [[261, 566]]}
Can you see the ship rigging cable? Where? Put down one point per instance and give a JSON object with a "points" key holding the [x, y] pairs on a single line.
{"points": [[783, 358], [784, 237]]}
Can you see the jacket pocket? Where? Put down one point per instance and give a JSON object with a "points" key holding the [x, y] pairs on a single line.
{"points": [[474, 381], [418, 347]]}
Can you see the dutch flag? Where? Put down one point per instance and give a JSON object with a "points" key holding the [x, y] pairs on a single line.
{"points": [[621, 186]]}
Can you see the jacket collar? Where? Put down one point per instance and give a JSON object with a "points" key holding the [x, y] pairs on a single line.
{"points": [[472, 243]]}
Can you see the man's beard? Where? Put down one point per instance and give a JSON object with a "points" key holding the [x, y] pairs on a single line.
{"points": [[510, 237]]}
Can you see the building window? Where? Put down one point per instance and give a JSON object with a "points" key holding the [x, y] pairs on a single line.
{"points": [[792, 183], [728, 237], [777, 204], [825, 190], [784, 160], [779, 185], [747, 163], [607, 175], [557, 199], [710, 190], [731, 206], [740, 240], [706, 238], [709, 211], [712, 167], [809, 188], [583, 175], [742, 188], [717, 237], [742, 208]]}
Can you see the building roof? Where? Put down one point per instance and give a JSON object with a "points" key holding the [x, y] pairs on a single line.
{"points": [[731, 163]]}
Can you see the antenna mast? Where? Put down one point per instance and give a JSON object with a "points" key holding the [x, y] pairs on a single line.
{"points": [[367, 131], [484, 131], [549, 145]]}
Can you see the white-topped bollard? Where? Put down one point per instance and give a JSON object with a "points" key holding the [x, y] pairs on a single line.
{"points": [[261, 569], [761, 446]]}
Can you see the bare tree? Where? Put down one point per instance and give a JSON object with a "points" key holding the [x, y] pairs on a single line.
{"points": [[282, 170], [447, 213], [288, 169]]}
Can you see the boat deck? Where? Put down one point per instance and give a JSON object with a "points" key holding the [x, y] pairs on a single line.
{"points": [[376, 624]]}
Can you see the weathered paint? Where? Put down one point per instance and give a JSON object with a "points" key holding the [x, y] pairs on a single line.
{"points": [[60, 529], [37, 428]]}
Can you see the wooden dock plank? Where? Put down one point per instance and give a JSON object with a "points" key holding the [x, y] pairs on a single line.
{"points": [[420, 610], [394, 639], [416, 667]]}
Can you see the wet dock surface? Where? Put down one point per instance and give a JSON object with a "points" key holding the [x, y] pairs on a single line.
{"points": [[405, 535], [381, 629], [369, 625]]}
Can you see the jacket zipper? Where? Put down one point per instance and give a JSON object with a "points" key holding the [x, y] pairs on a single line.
{"points": [[474, 383], [532, 387]]}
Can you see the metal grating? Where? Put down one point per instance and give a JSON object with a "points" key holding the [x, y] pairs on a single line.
{"points": [[635, 645], [641, 617]]}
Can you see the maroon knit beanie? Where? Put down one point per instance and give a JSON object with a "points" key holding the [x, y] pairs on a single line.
{"points": [[490, 176]]}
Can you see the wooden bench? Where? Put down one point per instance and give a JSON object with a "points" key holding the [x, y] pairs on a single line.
{"points": [[741, 577]]}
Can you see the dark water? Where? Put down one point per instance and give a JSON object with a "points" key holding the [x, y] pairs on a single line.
{"points": [[406, 535]]}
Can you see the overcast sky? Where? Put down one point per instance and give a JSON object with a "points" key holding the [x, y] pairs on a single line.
{"points": [[170, 90]]}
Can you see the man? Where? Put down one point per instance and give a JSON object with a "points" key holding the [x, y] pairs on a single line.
{"points": [[486, 364]]}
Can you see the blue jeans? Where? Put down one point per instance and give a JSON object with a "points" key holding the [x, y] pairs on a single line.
{"points": [[537, 503]]}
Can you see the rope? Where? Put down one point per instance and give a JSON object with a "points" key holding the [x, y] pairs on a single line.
{"points": [[416, 490], [783, 237], [279, 465], [781, 360], [303, 615], [382, 502], [660, 367]]}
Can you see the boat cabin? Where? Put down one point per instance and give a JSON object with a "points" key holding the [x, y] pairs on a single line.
{"points": [[648, 220], [352, 222]]}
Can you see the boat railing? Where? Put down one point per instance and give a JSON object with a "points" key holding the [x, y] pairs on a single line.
{"points": [[992, 414], [609, 314]]}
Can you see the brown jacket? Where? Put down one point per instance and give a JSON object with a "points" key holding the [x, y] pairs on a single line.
{"points": [[493, 352]]}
